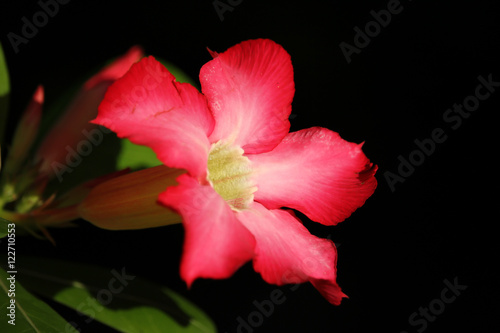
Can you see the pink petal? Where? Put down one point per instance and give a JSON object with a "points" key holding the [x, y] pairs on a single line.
{"points": [[330, 290], [215, 243], [316, 172], [287, 253], [250, 90], [150, 108]]}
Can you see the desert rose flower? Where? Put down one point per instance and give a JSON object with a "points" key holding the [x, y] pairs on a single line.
{"points": [[241, 165]]}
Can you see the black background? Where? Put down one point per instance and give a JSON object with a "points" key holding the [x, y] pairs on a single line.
{"points": [[395, 251]]}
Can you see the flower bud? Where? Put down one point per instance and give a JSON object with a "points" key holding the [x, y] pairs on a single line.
{"points": [[130, 201]]}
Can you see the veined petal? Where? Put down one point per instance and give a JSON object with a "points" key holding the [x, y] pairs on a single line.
{"points": [[215, 243], [316, 172], [330, 290], [286, 252], [150, 108], [249, 89]]}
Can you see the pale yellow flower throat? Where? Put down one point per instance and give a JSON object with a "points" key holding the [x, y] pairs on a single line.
{"points": [[229, 173]]}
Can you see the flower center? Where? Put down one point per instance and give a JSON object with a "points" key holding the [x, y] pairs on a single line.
{"points": [[229, 174]]}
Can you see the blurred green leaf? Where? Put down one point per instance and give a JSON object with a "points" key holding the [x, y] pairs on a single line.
{"points": [[3, 227], [31, 314], [4, 93], [135, 157], [114, 297], [4, 74]]}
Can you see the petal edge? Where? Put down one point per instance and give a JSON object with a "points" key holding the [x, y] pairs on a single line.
{"points": [[215, 243], [316, 172]]}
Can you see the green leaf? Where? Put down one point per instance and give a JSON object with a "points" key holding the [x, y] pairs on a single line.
{"points": [[30, 313], [3, 227], [4, 93], [4, 75], [135, 157], [114, 297]]}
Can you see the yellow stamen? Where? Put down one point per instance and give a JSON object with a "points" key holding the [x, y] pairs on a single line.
{"points": [[229, 174]]}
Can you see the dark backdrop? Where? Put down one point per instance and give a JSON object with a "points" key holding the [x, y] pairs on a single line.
{"points": [[396, 252]]}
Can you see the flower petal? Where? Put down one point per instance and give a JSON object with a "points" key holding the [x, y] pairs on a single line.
{"points": [[287, 253], [316, 172], [249, 89], [150, 108], [215, 244], [330, 290]]}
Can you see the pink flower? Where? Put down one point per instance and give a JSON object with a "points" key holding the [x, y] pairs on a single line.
{"points": [[242, 165]]}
